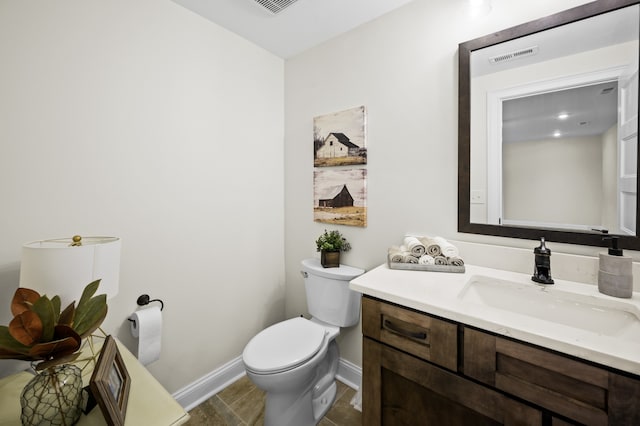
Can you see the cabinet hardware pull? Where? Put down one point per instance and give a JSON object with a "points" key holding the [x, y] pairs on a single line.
{"points": [[421, 335]]}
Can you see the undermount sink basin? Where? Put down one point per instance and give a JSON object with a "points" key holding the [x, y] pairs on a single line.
{"points": [[600, 315]]}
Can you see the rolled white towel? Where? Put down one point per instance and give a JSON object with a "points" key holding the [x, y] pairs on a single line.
{"points": [[440, 260], [425, 259], [409, 258], [447, 249], [431, 246], [414, 246], [396, 254], [455, 261]]}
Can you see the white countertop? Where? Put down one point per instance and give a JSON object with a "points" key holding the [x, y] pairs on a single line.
{"points": [[437, 293]]}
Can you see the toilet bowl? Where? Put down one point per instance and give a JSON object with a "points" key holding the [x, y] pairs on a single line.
{"points": [[295, 361]]}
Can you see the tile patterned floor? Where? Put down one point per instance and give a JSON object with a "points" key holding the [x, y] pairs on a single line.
{"points": [[242, 404]]}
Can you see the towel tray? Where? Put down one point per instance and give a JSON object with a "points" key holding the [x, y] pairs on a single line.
{"points": [[430, 268]]}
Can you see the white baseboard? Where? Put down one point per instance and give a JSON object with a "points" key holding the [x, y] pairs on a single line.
{"points": [[349, 374], [204, 388]]}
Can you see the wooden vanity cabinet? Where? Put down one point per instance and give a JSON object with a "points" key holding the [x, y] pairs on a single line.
{"points": [[419, 369]]}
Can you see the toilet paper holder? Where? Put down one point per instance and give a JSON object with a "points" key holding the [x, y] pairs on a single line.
{"points": [[144, 300]]}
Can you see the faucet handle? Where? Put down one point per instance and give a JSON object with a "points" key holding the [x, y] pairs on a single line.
{"points": [[542, 248]]}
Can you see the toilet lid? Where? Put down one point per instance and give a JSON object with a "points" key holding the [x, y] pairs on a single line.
{"points": [[283, 346]]}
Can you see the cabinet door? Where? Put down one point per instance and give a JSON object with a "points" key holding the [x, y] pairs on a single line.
{"points": [[624, 400], [574, 389], [399, 389], [565, 386]]}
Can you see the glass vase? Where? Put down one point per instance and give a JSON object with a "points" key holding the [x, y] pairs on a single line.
{"points": [[53, 397]]}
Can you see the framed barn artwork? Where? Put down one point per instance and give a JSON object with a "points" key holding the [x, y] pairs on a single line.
{"points": [[339, 138], [340, 196]]}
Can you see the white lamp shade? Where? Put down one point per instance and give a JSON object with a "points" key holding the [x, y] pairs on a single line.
{"points": [[54, 267]]}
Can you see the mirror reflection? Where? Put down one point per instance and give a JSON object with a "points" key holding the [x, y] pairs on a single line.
{"points": [[553, 127], [558, 146]]}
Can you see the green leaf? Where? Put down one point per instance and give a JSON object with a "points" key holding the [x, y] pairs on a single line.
{"points": [[55, 301], [66, 316], [88, 292], [89, 317], [9, 345], [7, 354], [45, 310]]}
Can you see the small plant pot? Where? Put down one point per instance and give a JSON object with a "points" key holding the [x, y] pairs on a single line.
{"points": [[330, 259]]}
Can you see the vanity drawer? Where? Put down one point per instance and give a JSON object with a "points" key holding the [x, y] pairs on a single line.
{"points": [[416, 333]]}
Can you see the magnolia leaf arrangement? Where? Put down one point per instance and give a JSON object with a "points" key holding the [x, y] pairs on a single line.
{"points": [[39, 331], [332, 241]]}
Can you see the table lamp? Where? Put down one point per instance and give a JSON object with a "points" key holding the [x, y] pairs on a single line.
{"points": [[65, 266]]}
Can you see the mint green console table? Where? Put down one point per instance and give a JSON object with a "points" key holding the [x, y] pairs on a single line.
{"points": [[149, 403]]}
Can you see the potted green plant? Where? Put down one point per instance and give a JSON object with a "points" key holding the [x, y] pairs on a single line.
{"points": [[330, 244]]}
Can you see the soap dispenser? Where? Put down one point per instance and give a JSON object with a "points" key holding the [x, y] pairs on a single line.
{"points": [[542, 268], [615, 277]]}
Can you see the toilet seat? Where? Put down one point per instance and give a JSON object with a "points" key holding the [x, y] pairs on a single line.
{"points": [[283, 346]]}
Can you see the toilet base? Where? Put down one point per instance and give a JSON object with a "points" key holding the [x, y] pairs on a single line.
{"points": [[281, 410], [303, 411], [322, 403], [307, 405]]}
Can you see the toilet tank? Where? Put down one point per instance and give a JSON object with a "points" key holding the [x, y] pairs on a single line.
{"points": [[329, 298]]}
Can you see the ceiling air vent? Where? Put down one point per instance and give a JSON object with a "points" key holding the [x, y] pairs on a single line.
{"points": [[522, 53], [275, 6]]}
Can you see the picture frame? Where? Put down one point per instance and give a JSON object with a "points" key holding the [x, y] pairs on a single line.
{"points": [[110, 383], [339, 138], [340, 196]]}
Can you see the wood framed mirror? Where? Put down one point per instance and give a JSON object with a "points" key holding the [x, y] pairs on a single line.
{"points": [[532, 160]]}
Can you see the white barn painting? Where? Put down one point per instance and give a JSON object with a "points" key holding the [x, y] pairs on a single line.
{"points": [[339, 138]]}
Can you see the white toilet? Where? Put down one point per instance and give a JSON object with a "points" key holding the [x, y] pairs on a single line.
{"points": [[295, 361]]}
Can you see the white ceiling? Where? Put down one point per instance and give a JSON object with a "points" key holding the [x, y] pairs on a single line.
{"points": [[304, 24]]}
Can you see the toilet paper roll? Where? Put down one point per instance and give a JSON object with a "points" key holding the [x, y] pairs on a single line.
{"points": [[147, 328]]}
